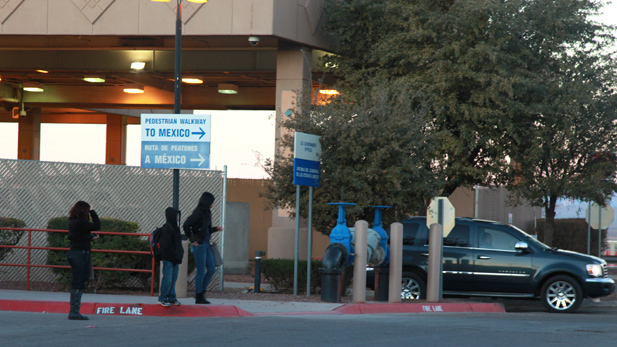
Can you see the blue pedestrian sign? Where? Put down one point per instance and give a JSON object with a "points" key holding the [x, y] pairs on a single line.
{"points": [[307, 153], [175, 141]]}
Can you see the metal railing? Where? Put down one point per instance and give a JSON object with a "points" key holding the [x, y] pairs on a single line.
{"points": [[29, 249]]}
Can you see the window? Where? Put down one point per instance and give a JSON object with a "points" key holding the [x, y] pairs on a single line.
{"points": [[458, 237], [490, 238], [410, 231]]}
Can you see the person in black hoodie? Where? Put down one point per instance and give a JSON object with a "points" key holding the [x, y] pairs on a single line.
{"points": [[198, 228], [80, 236], [171, 256]]}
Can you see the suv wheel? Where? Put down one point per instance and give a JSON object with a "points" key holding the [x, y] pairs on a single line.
{"points": [[412, 287], [561, 294]]}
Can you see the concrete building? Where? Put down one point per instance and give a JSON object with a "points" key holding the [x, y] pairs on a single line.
{"points": [[265, 50]]}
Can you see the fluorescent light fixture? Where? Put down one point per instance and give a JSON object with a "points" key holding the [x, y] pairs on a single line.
{"points": [[228, 89], [94, 78], [138, 65], [329, 92], [193, 79], [133, 89], [33, 87]]}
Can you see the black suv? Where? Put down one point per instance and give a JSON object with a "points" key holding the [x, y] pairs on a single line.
{"points": [[483, 258]]}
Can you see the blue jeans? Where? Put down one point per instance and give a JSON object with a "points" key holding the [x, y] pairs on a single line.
{"points": [[168, 282], [205, 266], [80, 267]]}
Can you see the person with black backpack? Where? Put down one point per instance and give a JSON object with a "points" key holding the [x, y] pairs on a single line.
{"points": [[170, 241], [198, 228]]}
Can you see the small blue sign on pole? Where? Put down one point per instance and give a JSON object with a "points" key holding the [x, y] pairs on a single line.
{"points": [[175, 141], [307, 153]]}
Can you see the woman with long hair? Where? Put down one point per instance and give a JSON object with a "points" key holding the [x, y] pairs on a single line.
{"points": [[80, 236]]}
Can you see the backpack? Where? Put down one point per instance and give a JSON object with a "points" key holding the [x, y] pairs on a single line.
{"points": [[155, 247]]}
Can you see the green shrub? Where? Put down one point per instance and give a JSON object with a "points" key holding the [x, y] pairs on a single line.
{"points": [[102, 278], [571, 234], [10, 237], [280, 274]]}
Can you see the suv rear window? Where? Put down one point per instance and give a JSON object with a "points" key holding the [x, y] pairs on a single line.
{"points": [[458, 237], [410, 231]]}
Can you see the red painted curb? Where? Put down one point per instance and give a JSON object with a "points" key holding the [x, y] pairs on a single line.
{"points": [[419, 308], [113, 309]]}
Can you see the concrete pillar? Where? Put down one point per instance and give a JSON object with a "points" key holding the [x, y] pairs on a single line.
{"points": [[360, 259], [29, 138], [292, 75], [115, 146], [396, 262]]}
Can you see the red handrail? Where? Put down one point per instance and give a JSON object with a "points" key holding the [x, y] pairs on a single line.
{"points": [[29, 265]]}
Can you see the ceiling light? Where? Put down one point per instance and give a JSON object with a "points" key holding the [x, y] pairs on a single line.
{"points": [[193, 79], [228, 89], [138, 65], [133, 89], [33, 87], [329, 91], [42, 71], [94, 78]]}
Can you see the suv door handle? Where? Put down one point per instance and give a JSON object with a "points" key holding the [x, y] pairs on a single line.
{"points": [[484, 257], [425, 254]]}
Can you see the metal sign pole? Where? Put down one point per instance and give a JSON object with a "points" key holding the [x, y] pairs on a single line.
{"points": [[296, 245], [589, 228], [310, 243], [599, 230]]}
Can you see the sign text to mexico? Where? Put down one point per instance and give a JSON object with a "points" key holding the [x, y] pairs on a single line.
{"points": [[175, 141], [307, 151]]}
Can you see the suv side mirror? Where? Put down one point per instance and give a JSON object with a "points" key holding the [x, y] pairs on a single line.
{"points": [[521, 246]]}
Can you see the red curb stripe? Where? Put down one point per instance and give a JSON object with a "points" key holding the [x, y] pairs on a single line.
{"points": [[420, 308], [111, 309]]}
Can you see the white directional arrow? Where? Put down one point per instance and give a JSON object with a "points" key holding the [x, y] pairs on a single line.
{"points": [[200, 160]]}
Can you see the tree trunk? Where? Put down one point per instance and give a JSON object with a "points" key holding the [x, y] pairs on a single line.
{"points": [[549, 225]]}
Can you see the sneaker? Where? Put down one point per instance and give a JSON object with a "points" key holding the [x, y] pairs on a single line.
{"points": [[164, 303], [176, 303]]}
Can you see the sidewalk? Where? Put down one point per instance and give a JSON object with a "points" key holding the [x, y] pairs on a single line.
{"points": [[103, 304]]}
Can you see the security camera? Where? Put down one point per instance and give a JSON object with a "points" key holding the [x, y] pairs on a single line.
{"points": [[254, 40], [22, 113]]}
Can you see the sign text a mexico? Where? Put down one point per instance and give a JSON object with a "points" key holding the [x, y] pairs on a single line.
{"points": [[175, 141]]}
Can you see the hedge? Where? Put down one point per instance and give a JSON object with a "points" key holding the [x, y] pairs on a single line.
{"points": [[104, 279], [10, 237]]}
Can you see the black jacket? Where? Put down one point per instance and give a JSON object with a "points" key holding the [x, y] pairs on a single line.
{"points": [[198, 226], [80, 229], [171, 238]]}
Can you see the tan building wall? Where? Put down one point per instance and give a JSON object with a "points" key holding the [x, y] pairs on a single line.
{"points": [[247, 190]]}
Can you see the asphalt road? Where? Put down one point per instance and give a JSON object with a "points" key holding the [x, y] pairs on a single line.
{"points": [[528, 327]]}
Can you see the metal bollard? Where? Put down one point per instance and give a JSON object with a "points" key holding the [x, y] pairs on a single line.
{"points": [[359, 271], [257, 286], [435, 263], [396, 263]]}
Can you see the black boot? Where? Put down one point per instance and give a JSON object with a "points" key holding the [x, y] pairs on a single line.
{"points": [[75, 305], [201, 299]]}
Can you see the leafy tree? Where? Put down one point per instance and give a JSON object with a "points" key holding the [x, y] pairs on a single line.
{"points": [[520, 92], [372, 154]]}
